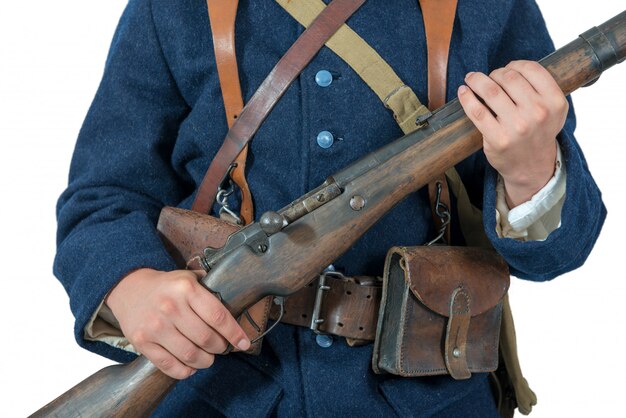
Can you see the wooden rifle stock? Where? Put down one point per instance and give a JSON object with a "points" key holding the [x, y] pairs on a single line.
{"points": [[344, 207]]}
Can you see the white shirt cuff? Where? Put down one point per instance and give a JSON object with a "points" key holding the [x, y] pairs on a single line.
{"points": [[535, 219], [104, 327]]}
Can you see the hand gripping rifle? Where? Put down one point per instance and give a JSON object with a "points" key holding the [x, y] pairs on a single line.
{"points": [[285, 250]]}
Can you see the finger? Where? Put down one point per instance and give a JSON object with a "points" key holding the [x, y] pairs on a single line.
{"points": [[186, 351], [540, 79], [215, 314], [492, 94], [516, 86], [198, 273], [166, 362], [477, 112], [202, 335]]}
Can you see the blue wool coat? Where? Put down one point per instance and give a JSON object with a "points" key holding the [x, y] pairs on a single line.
{"points": [[157, 120]]}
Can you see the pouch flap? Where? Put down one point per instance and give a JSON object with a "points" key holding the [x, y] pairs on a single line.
{"points": [[434, 272]]}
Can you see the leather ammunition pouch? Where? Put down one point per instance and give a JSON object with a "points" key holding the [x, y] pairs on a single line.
{"points": [[440, 311]]}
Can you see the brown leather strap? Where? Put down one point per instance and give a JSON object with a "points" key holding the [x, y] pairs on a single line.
{"points": [[348, 307], [438, 24], [455, 346], [270, 91], [222, 14], [246, 211]]}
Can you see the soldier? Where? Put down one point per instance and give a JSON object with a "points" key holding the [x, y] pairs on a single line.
{"points": [[158, 120]]}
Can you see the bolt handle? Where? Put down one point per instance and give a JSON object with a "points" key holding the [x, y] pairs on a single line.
{"points": [[272, 222]]}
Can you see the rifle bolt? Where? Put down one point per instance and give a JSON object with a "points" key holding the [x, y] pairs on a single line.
{"points": [[272, 222], [357, 202]]}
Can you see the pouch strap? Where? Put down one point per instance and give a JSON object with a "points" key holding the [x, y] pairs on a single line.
{"points": [[456, 335], [270, 91], [438, 24], [222, 15]]}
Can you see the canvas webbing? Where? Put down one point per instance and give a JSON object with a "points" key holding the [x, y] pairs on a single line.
{"points": [[366, 62], [438, 37], [524, 395], [471, 218]]}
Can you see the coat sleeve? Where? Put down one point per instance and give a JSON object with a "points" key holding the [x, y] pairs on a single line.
{"points": [[566, 248], [121, 174]]}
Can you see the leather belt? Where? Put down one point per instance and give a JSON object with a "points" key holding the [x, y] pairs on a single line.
{"points": [[335, 304]]}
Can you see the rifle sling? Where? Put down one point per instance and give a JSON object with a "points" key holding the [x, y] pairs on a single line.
{"points": [[270, 91]]}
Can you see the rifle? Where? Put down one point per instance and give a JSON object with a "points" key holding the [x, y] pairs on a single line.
{"points": [[285, 250]]}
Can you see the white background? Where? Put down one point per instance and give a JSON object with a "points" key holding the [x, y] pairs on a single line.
{"points": [[571, 331]]}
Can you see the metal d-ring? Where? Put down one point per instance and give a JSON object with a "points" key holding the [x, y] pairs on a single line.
{"points": [[442, 211], [278, 300], [222, 198]]}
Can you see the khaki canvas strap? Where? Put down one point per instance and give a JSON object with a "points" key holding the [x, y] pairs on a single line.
{"points": [[270, 91], [366, 62], [222, 14], [471, 218]]}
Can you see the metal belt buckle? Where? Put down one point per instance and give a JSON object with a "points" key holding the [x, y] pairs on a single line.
{"points": [[319, 296]]}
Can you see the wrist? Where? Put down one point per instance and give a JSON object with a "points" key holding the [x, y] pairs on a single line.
{"points": [[521, 186], [117, 292], [516, 194]]}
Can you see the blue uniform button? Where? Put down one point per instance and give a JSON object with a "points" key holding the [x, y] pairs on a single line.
{"points": [[329, 268], [324, 340], [324, 78], [325, 139]]}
